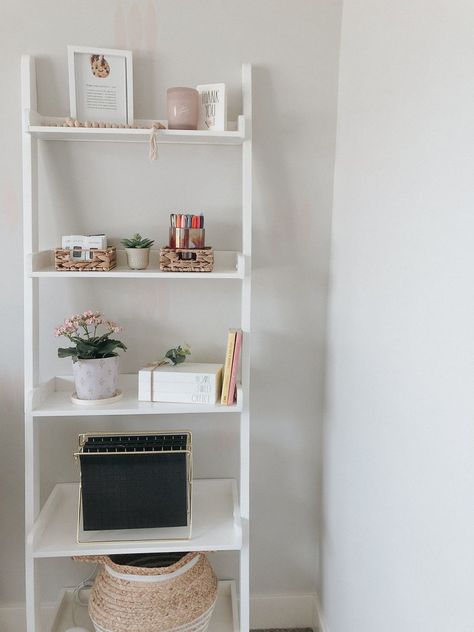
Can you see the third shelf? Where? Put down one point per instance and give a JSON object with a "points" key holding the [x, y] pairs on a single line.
{"points": [[53, 399]]}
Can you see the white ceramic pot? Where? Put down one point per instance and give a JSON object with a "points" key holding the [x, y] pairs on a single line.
{"points": [[96, 379], [138, 258]]}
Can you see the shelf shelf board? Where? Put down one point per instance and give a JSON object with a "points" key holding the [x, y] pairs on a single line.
{"points": [[216, 525], [53, 399], [46, 128], [224, 618], [227, 265]]}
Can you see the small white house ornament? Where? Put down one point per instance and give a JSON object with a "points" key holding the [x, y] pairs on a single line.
{"points": [[212, 107]]}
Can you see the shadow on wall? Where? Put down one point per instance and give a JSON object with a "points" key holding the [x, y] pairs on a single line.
{"points": [[11, 358], [288, 321], [11, 451]]}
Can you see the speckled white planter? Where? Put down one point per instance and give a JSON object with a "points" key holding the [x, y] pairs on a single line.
{"points": [[96, 379], [138, 258]]}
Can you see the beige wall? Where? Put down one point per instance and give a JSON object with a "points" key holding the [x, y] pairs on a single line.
{"points": [[294, 46], [399, 472]]}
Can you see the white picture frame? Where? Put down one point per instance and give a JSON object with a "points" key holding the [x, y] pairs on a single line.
{"points": [[100, 84]]}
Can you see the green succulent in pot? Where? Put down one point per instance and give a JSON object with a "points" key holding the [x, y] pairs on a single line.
{"points": [[137, 241], [138, 251]]}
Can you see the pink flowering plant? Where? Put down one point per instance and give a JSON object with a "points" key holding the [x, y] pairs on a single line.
{"points": [[90, 334]]}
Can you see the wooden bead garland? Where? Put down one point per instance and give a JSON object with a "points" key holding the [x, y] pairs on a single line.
{"points": [[153, 147], [70, 122]]}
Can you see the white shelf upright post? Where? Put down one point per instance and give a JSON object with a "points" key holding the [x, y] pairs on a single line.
{"points": [[31, 338], [245, 320]]}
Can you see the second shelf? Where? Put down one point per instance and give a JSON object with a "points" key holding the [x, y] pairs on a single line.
{"points": [[228, 265]]}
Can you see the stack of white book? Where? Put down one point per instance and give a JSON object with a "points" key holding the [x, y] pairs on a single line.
{"points": [[187, 383]]}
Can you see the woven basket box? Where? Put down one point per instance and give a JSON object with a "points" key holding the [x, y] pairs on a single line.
{"points": [[85, 260], [186, 259]]}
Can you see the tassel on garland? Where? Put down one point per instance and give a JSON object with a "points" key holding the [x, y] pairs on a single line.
{"points": [[153, 144]]}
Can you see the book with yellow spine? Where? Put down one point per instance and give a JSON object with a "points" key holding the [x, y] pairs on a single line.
{"points": [[229, 356]]}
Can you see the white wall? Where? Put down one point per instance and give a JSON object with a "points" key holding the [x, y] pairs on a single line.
{"points": [[399, 474], [294, 46]]}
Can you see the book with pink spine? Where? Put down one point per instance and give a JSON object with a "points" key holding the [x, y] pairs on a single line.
{"points": [[235, 367]]}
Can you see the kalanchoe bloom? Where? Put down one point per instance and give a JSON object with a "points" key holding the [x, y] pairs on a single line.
{"points": [[90, 334], [68, 328], [113, 326]]}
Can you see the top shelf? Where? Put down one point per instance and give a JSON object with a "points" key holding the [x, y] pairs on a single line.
{"points": [[46, 128], [51, 128]]}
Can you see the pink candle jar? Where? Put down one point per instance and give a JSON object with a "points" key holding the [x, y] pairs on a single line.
{"points": [[183, 108]]}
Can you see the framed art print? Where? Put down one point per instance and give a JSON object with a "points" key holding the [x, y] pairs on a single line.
{"points": [[100, 84]]}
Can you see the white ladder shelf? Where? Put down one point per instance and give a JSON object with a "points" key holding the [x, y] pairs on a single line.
{"points": [[221, 506]]}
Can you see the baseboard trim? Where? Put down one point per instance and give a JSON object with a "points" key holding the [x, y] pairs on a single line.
{"points": [[12, 618], [319, 620], [266, 611]]}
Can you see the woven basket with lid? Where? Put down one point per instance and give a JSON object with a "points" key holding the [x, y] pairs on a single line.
{"points": [[165, 594]]}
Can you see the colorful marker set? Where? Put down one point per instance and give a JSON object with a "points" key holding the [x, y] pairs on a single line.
{"points": [[181, 220], [187, 231]]}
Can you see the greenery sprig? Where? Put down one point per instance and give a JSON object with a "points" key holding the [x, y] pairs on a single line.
{"points": [[175, 356]]}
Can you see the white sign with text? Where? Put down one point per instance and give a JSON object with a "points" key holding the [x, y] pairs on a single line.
{"points": [[212, 107]]}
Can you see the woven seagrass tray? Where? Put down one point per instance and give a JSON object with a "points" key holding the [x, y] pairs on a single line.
{"points": [[85, 260], [186, 259]]}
